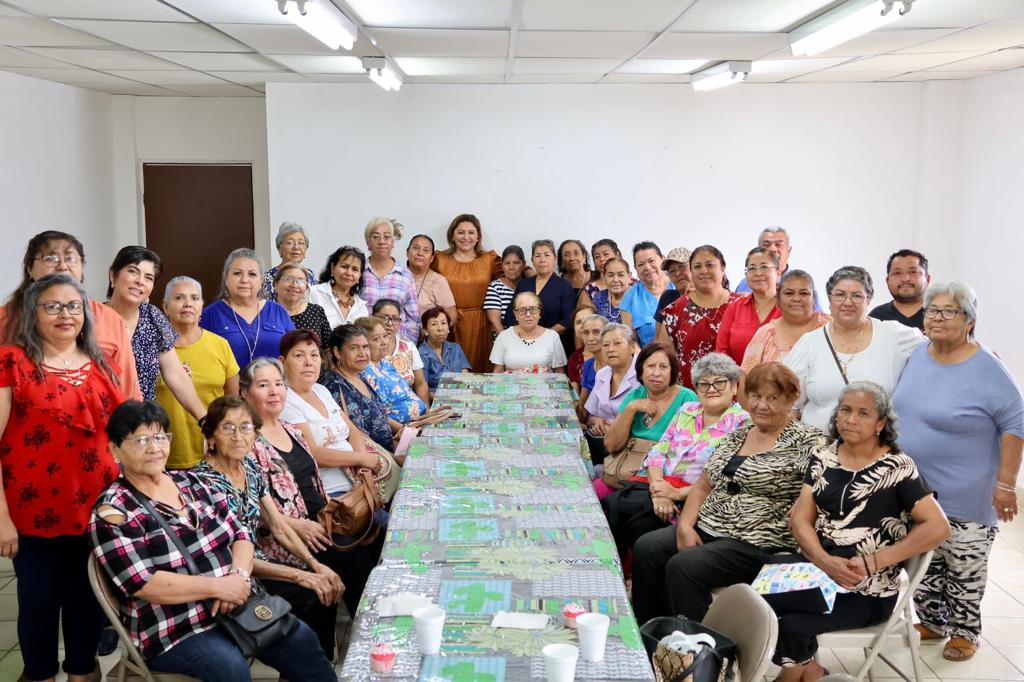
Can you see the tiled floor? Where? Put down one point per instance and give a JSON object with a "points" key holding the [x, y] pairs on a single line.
{"points": [[1001, 656]]}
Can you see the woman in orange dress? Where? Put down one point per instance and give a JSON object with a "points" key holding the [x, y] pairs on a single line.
{"points": [[469, 269]]}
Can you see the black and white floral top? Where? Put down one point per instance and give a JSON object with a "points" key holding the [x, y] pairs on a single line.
{"points": [[863, 511]]}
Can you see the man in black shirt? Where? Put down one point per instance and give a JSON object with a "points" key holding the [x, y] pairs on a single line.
{"points": [[907, 277]]}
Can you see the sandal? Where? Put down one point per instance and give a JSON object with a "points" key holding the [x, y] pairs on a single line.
{"points": [[927, 633], [959, 649]]}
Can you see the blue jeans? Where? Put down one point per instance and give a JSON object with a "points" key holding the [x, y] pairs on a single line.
{"points": [[212, 656]]}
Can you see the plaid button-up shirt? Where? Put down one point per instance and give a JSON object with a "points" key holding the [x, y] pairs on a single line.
{"points": [[398, 285]]}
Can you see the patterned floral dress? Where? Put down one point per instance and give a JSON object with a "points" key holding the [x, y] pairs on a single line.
{"points": [[693, 330]]}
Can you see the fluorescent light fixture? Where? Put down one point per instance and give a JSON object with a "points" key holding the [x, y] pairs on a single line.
{"points": [[855, 18], [322, 20], [720, 75], [382, 73]]}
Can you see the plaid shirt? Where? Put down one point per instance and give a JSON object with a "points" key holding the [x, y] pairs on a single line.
{"points": [[133, 551], [397, 285]]}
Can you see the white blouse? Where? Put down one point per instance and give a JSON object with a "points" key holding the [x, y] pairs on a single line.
{"points": [[542, 354], [323, 296], [328, 432]]}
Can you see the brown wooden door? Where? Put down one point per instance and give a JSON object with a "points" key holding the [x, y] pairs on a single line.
{"points": [[196, 214]]}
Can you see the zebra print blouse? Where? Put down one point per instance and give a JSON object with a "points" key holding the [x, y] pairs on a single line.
{"points": [[753, 504]]}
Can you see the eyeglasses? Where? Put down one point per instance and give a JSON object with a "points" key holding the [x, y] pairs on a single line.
{"points": [[292, 243], [390, 319], [55, 308], [705, 386], [161, 440], [245, 428], [840, 296], [294, 280], [534, 310], [381, 237], [54, 260], [944, 313], [755, 269]]}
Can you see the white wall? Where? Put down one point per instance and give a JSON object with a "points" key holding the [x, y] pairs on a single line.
{"points": [[56, 172]]}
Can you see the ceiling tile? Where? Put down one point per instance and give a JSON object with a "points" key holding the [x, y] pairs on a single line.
{"points": [[983, 38], [941, 75], [902, 62], [420, 42], [717, 46], [158, 36], [881, 42], [619, 44], [289, 39], [338, 78], [768, 16], [69, 75], [10, 56], [319, 64], [468, 80], [775, 70], [598, 15], [43, 33], [619, 77], [450, 66], [535, 65], [124, 10], [183, 77], [233, 11], [833, 76], [226, 90], [258, 77], [6, 11], [138, 89], [104, 59], [661, 66], [1003, 60], [553, 78], [958, 13], [220, 61], [434, 13]]}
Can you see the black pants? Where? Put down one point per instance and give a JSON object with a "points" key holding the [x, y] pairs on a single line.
{"points": [[598, 451], [321, 619], [797, 630], [54, 590], [630, 513], [669, 582]]}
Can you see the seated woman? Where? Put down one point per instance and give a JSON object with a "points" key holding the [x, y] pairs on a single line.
{"points": [[677, 461], [313, 591], [612, 383], [647, 410], [736, 514], [863, 510], [527, 346], [574, 368], [400, 352], [438, 354], [402, 404], [293, 480], [589, 332], [171, 616]]}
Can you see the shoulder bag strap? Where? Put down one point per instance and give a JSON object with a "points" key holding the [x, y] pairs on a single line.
{"points": [[835, 356], [148, 506]]}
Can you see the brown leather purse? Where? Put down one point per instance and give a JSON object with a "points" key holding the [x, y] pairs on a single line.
{"points": [[353, 514], [623, 465]]}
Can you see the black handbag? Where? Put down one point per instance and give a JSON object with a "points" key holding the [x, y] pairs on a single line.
{"points": [[717, 664], [628, 504], [262, 620]]}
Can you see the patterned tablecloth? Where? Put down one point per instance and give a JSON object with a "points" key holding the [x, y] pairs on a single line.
{"points": [[496, 513]]}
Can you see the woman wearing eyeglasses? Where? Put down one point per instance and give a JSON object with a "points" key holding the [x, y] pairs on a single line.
{"points": [[744, 316], [292, 242], [291, 285], [385, 277], [967, 442], [736, 515], [527, 346], [57, 391], [852, 347]]}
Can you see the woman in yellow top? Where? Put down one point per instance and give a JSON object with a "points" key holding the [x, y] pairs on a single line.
{"points": [[206, 357]]}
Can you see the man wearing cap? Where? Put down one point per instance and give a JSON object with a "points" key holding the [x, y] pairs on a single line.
{"points": [[677, 265]]}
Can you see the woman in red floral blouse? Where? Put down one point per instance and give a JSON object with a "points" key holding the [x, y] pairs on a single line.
{"points": [[57, 391]]}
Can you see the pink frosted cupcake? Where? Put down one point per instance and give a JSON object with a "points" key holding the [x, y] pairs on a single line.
{"points": [[382, 658], [569, 613]]}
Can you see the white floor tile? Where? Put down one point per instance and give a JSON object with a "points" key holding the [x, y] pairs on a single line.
{"points": [[987, 664]]}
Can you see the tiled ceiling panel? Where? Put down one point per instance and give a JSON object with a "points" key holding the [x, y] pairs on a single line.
{"points": [[157, 36], [320, 64], [121, 10], [220, 61], [717, 46], [104, 59], [959, 13], [769, 16], [287, 39], [598, 15], [43, 33], [535, 65], [619, 44], [933, 75], [10, 56], [183, 77], [902, 62], [69, 74], [661, 66], [258, 77], [433, 13], [994, 36], [450, 66], [233, 11], [993, 61], [418, 42], [776, 70]]}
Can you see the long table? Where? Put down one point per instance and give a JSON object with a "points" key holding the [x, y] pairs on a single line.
{"points": [[495, 512]]}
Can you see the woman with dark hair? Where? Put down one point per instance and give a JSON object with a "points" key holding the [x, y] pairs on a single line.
{"points": [[314, 590], [57, 391], [132, 275], [692, 322], [744, 316], [402, 403], [602, 251], [502, 289], [170, 614], [773, 341], [292, 287], [432, 290], [573, 264], [617, 281], [341, 282], [469, 269], [59, 252], [641, 301], [438, 354], [400, 352], [555, 294]]}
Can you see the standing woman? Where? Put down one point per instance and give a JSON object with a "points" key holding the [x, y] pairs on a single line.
{"points": [[603, 250], [57, 391], [641, 301], [556, 295], [209, 362], [49, 252], [968, 447], [692, 322], [291, 286], [252, 326], [385, 277], [341, 282], [775, 339], [573, 264], [432, 290], [744, 316], [292, 242], [469, 269], [501, 290], [132, 275], [617, 280]]}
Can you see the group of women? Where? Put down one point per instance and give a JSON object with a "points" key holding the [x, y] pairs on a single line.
{"points": [[766, 428]]}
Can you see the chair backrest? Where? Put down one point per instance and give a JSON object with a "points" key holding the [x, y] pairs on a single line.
{"points": [[738, 612], [110, 602], [916, 567]]}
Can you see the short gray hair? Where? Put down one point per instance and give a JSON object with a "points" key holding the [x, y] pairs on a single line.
{"points": [[243, 252], [961, 292], [613, 327], [715, 365], [594, 317], [542, 242], [287, 228], [515, 300], [853, 273], [883, 404], [181, 279], [248, 373], [773, 229]]}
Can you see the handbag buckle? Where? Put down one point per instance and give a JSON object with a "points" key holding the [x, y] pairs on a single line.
{"points": [[263, 612]]}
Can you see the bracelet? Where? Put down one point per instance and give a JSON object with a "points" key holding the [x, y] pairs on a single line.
{"points": [[874, 558], [1005, 487], [863, 558]]}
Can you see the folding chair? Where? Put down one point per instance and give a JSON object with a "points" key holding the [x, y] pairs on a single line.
{"points": [[739, 613]]}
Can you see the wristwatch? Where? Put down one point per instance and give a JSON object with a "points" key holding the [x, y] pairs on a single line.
{"points": [[242, 572]]}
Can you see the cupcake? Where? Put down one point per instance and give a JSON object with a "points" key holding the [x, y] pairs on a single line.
{"points": [[569, 613], [382, 658]]}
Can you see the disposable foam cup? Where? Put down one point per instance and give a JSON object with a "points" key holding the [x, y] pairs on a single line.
{"points": [[593, 632], [560, 662], [429, 621]]}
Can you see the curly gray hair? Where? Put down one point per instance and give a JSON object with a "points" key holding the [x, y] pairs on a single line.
{"points": [[961, 292], [883, 405], [716, 365], [287, 228], [854, 273]]}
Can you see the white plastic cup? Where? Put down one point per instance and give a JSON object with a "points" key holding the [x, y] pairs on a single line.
{"points": [[593, 632], [560, 662], [429, 622]]}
